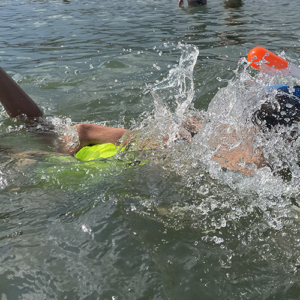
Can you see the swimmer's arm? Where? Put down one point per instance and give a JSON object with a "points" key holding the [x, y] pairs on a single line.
{"points": [[180, 3], [238, 158], [91, 134]]}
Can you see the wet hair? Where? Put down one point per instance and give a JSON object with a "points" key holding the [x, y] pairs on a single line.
{"points": [[284, 111]]}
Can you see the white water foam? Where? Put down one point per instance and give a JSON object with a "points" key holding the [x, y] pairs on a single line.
{"points": [[271, 188]]}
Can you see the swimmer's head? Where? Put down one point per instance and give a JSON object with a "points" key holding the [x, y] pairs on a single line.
{"points": [[285, 110]]}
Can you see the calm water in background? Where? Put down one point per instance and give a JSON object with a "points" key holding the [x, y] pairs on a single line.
{"points": [[90, 231]]}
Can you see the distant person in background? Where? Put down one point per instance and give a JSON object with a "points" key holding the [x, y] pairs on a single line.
{"points": [[233, 3], [228, 3], [192, 2]]}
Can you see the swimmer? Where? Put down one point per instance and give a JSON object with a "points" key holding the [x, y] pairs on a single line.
{"points": [[240, 158], [192, 2], [285, 111]]}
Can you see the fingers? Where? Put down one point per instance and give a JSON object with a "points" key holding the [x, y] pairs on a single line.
{"points": [[192, 125]]}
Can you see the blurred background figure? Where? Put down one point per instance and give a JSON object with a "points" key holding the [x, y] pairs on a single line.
{"points": [[233, 3], [192, 2]]}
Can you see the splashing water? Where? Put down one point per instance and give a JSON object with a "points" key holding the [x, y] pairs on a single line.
{"points": [[237, 214], [222, 197], [172, 97], [253, 215], [180, 80]]}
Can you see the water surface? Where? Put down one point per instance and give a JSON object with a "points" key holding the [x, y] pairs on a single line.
{"points": [[176, 227]]}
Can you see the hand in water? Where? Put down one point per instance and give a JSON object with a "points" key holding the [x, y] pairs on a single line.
{"points": [[235, 151]]}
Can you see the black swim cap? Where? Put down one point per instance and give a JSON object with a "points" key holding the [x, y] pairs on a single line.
{"points": [[284, 111]]}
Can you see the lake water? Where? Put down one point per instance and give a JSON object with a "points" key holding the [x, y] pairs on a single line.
{"points": [[154, 224]]}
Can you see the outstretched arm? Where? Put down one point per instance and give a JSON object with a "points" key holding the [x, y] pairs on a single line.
{"points": [[235, 151], [91, 134]]}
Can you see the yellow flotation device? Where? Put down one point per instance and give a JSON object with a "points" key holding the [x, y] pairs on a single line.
{"points": [[98, 151]]}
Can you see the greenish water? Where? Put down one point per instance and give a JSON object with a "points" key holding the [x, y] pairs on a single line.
{"points": [[174, 228]]}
